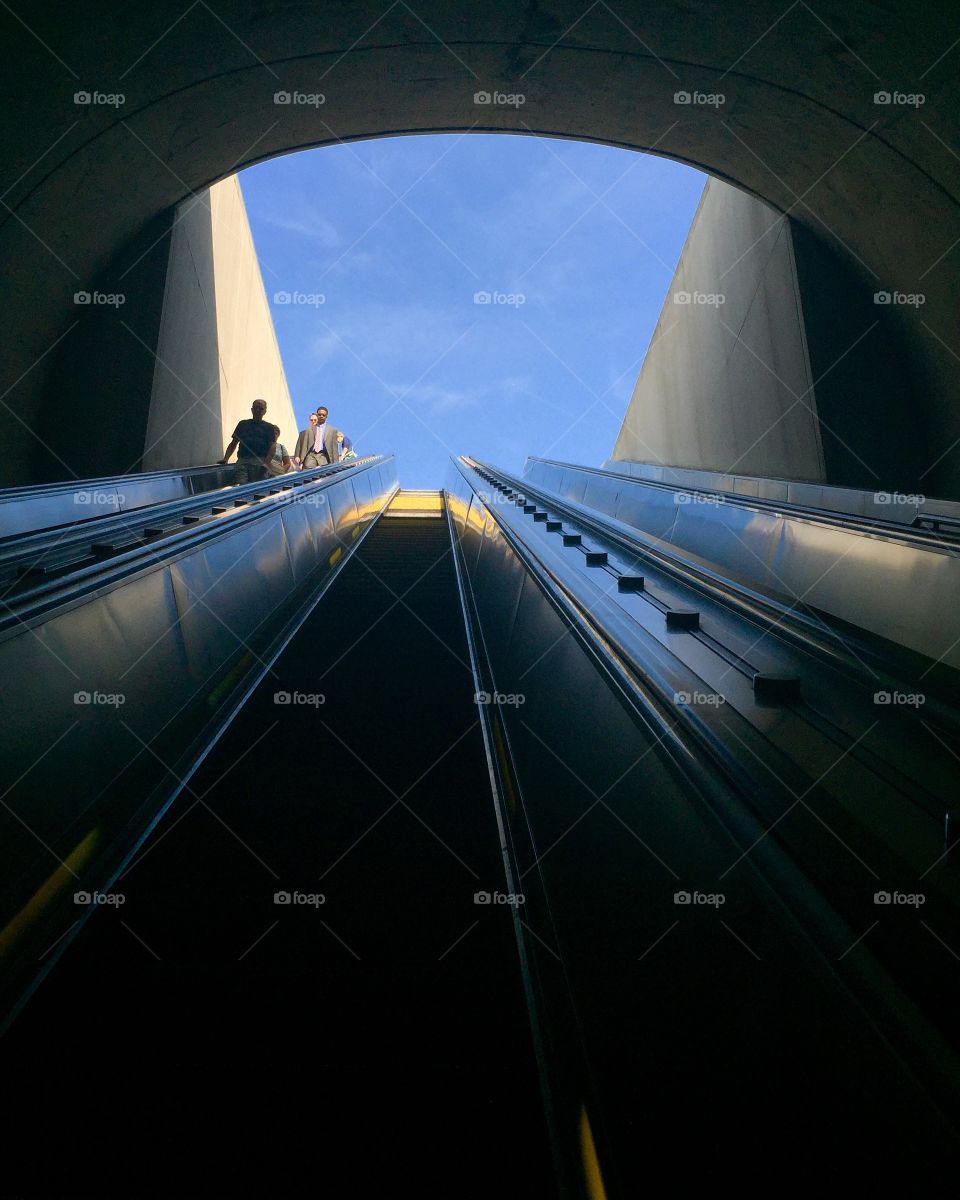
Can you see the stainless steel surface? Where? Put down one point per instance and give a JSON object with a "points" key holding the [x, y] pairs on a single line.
{"points": [[41, 554], [28, 508], [625, 793], [900, 508], [896, 586], [112, 696]]}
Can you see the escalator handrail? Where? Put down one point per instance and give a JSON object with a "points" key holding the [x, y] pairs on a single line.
{"points": [[36, 542], [79, 585]]}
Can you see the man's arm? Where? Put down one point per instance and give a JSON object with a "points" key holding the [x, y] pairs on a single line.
{"points": [[268, 457], [230, 449]]}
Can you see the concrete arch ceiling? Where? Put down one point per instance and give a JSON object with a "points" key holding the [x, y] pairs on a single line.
{"points": [[85, 185]]}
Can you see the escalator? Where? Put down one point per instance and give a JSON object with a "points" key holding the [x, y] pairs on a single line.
{"points": [[292, 987], [318, 973]]}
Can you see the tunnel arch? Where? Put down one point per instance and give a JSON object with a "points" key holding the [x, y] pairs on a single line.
{"points": [[90, 188]]}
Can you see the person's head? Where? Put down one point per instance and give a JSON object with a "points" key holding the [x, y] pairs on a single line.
{"points": [[339, 437], [313, 419], [322, 414], [258, 408]]}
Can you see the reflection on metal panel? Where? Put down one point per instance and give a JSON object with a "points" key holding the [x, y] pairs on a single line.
{"points": [[31, 508], [117, 693], [620, 821], [886, 506], [898, 585], [225, 593]]}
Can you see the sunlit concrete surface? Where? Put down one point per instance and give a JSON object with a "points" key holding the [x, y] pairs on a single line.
{"points": [[217, 349], [726, 383]]}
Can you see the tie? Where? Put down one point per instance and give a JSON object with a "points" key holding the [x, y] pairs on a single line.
{"points": [[318, 440]]}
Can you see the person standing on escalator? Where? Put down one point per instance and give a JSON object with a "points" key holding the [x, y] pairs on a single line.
{"points": [[317, 445], [256, 439]]}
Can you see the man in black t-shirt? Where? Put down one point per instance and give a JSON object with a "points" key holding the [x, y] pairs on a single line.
{"points": [[257, 439]]}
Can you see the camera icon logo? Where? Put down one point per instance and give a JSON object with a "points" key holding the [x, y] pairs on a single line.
{"points": [[81, 697], [81, 97], [881, 697], [281, 697], [482, 98], [881, 297], [82, 297], [681, 297], [281, 297], [881, 97], [481, 898], [681, 97], [881, 897], [681, 897], [82, 897], [281, 97], [281, 898]]}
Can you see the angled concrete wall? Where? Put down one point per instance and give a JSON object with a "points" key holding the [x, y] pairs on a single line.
{"points": [[772, 358], [726, 384], [217, 350]]}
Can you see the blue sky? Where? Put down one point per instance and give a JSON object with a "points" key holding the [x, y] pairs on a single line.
{"points": [[574, 243]]}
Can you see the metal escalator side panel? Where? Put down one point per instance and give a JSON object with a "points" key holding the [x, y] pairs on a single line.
{"points": [[112, 701], [224, 593], [588, 752], [308, 527], [23, 510], [883, 580]]}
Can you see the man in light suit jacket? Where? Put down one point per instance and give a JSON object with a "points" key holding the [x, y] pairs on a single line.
{"points": [[317, 445]]}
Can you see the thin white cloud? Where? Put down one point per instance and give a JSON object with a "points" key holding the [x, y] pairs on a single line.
{"points": [[437, 400], [307, 223]]}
